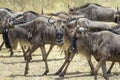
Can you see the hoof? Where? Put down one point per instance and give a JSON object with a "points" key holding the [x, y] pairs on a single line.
{"points": [[61, 75], [92, 74], [31, 58], [25, 58], [11, 55], [108, 72], [25, 73]]}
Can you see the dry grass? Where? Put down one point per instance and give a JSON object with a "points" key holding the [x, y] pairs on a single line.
{"points": [[52, 5]]}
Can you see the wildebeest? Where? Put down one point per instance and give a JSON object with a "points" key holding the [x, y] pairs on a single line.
{"points": [[6, 13], [39, 32], [95, 12], [104, 46], [27, 16]]}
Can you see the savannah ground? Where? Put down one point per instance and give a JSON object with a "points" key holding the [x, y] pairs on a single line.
{"points": [[12, 68]]}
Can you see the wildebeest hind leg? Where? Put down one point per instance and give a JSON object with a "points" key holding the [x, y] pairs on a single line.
{"points": [[27, 66], [91, 65], [24, 53], [104, 70], [51, 47], [109, 70], [11, 52]]}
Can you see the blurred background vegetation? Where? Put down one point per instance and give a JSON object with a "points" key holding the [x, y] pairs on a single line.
{"points": [[52, 5]]}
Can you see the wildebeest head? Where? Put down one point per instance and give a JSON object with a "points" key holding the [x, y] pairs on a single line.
{"points": [[80, 32], [59, 26], [6, 23], [16, 20]]}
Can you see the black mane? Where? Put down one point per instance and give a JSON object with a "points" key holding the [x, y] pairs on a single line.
{"points": [[8, 10], [88, 4], [37, 14]]}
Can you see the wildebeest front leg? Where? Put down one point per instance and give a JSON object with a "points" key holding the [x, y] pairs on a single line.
{"points": [[11, 52], [68, 62], [2, 45], [51, 47], [44, 55], [104, 70], [90, 64], [100, 63], [63, 65], [109, 70]]}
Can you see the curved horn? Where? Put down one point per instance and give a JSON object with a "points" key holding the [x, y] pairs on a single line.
{"points": [[49, 20], [68, 16], [18, 16], [76, 22]]}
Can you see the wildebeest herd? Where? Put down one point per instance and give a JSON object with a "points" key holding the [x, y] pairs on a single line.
{"points": [[91, 30]]}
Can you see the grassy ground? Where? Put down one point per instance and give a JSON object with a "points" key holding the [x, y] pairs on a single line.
{"points": [[12, 68]]}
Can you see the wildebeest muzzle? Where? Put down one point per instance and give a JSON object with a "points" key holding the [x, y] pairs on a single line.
{"points": [[59, 38]]}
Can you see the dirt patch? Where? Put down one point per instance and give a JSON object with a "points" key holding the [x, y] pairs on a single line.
{"points": [[12, 68]]}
